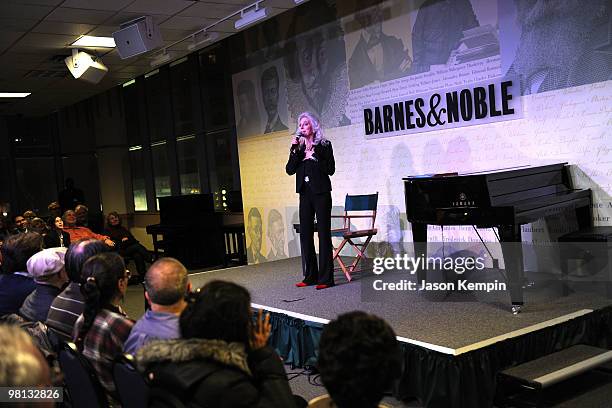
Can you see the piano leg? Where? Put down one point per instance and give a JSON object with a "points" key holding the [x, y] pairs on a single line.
{"points": [[419, 239], [510, 237]]}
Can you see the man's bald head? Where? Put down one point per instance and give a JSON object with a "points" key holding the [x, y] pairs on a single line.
{"points": [[166, 282]]}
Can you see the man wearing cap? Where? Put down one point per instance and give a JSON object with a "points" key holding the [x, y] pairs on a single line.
{"points": [[47, 269]]}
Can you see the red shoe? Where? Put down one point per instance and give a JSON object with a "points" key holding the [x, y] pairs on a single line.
{"points": [[301, 284], [319, 287]]}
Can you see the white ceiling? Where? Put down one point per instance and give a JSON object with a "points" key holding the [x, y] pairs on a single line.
{"points": [[33, 32]]}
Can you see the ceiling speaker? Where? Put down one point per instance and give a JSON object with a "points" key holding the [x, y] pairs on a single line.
{"points": [[137, 37]]}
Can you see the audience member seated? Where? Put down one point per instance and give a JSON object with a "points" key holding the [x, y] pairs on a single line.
{"points": [[15, 282], [54, 211], [166, 285], [38, 225], [57, 237], [77, 233], [5, 231], [93, 221], [21, 363], [29, 215], [103, 327], [21, 225], [359, 357], [222, 360], [47, 269], [69, 304], [126, 244]]}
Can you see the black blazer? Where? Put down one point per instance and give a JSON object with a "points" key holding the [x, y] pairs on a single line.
{"points": [[51, 239], [325, 166]]}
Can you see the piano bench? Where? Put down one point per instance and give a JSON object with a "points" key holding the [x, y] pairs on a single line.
{"points": [[591, 250]]}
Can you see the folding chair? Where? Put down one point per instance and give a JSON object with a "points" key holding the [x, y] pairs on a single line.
{"points": [[130, 384], [355, 206], [83, 385]]}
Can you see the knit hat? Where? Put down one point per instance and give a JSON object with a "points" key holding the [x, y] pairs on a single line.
{"points": [[46, 262]]}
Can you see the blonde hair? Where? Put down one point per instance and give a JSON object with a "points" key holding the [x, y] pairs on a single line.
{"points": [[316, 128]]}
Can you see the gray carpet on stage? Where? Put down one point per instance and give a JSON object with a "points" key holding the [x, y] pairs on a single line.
{"points": [[448, 319]]}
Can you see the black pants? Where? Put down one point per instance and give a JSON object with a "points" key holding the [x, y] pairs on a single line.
{"points": [[140, 255], [321, 205]]}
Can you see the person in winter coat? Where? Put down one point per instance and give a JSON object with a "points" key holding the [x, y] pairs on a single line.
{"points": [[222, 361]]}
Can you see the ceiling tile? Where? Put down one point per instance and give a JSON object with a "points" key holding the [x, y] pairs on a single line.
{"points": [[23, 11], [36, 2], [82, 16], [55, 27], [175, 35], [97, 4], [124, 17], [46, 40], [210, 10], [168, 7], [19, 24], [104, 31], [7, 38], [187, 23], [20, 58]]}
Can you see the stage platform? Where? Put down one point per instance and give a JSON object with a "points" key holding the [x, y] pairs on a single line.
{"points": [[454, 343]]}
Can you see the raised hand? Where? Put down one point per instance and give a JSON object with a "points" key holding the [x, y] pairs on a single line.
{"points": [[261, 331]]}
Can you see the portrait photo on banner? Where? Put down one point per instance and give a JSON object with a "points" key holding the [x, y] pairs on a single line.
{"points": [[260, 100], [378, 45], [315, 63], [446, 33], [582, 37]]}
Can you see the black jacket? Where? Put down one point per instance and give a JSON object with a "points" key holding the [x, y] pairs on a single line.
{"points": [[213, 373], [52, 239], [324, 166]]}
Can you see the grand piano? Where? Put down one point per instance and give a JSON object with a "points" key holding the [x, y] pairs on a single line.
{"points": [[196, 229], [505, 199]]}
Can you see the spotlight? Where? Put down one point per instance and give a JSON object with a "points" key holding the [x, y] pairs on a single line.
{"points": [[84, 66], [251, 16]]}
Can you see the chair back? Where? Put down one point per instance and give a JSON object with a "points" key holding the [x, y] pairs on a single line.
{"points": [[130, 384], [362, 203], [83, 386]]}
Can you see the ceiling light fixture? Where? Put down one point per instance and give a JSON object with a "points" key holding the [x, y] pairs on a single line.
{"points": [[95, 42], [250, 15], [161, 58], [198, 40], [84, 66], [14, 94]]}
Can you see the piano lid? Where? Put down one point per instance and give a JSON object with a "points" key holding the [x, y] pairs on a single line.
{"points": [[487, 172]]}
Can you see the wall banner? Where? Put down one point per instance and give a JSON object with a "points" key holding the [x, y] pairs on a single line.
{"points": [[484, 102]]}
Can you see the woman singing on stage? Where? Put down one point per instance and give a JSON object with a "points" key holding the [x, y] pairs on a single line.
{"points": [[311, 158]]}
